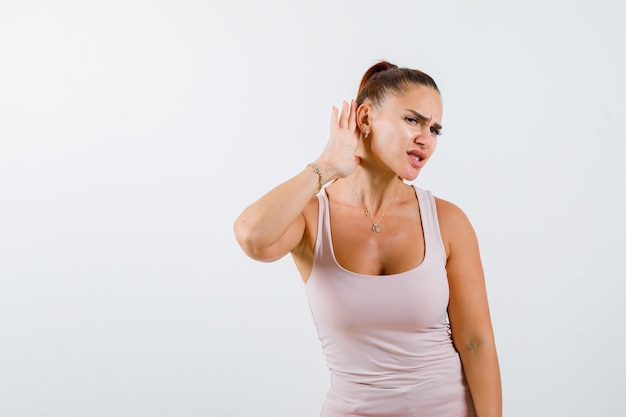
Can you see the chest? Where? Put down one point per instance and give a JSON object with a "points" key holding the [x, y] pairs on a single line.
{"points": [[399, 245]]}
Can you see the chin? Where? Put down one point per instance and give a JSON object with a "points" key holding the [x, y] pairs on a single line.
{"points": [[411, 175]]}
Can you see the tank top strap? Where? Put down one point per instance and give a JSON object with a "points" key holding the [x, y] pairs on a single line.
{"points": [[323, 249], [430, 224]]}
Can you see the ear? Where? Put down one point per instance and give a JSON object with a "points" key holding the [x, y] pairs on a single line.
{"points": [[363, 117]]}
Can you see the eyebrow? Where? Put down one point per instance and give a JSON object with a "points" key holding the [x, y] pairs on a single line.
{"points": [[425, 119]]}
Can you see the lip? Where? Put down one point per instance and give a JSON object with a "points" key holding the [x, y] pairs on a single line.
{"points": [[417, 157]]}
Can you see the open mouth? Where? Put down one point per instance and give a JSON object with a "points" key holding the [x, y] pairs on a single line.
{"points": [[417, 155]]}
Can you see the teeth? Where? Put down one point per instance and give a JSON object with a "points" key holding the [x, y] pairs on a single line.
{"points": [[416, 156]]}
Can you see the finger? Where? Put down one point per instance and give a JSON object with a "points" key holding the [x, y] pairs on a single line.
{"points": [[352, 118], [345, 114], [334, 117]]}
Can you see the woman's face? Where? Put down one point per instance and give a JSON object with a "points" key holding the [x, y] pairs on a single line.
{"points": [[404, 130]]}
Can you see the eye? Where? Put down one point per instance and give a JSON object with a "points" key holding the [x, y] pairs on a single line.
{"points": [[412, 120], [435, 132]]}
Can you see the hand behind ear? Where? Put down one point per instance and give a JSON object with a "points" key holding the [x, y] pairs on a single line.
{"points": [[339, 157]]}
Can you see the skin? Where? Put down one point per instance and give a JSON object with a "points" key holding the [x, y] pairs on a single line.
{"points": [[367, 171]]}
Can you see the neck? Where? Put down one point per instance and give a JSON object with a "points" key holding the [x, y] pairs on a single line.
{"points": [[375, 192]]}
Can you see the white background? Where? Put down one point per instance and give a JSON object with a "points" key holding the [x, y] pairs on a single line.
{"points": [[132, 133]]}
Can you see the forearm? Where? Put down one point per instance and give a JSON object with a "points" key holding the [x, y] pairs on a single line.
{"points": [[482, 371], [268, 219]]}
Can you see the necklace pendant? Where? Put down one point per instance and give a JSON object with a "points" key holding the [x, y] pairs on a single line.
{"points": [[375, 228]]}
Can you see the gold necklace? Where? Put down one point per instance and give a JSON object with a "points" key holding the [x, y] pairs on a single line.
{"points": [[375, 227]]}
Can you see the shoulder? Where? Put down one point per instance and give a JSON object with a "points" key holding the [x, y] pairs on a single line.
{"points": [[449, 212], [311, 210], [454, 225], [310, 215]]}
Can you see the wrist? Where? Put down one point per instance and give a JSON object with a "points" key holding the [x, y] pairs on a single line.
{"points": [[320, 177], [329, 174], [324, 172]]}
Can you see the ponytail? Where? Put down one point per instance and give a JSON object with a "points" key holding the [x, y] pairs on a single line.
{"points": [[384, 77]]}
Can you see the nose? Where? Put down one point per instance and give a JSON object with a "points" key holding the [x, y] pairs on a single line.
{"points": [[423, 136]]}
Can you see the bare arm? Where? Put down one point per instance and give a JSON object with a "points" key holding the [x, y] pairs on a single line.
{"points": [[468, 310], [275, 225]]}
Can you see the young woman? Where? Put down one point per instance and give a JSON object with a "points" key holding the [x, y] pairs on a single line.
{"points": [[393, 274]]}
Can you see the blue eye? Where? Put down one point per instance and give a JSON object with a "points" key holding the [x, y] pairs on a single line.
{"points": [[435, 131]]}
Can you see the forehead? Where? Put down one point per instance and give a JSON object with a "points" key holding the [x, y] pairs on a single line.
{"points": [[423, 99]]}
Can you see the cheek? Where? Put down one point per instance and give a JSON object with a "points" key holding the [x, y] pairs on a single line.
{"points": [[381, 138]]}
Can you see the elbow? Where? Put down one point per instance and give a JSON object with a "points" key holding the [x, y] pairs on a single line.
{"points": [[471, 346], [247, 239], [244, 236]]}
